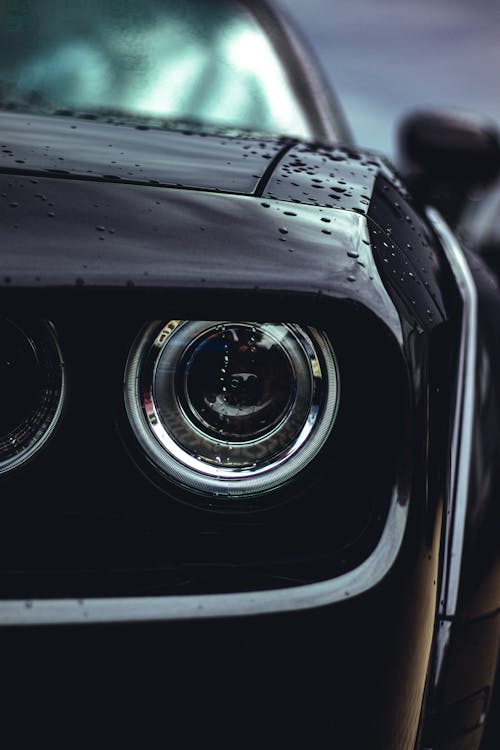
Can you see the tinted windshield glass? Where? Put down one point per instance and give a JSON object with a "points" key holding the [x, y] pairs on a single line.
{"points": [[205, 60]]}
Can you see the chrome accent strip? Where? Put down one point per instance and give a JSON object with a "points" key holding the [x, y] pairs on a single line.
{"points": [[209, 606], [461, 448]]}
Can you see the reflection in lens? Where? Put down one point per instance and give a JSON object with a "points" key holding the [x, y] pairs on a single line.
{"points": [[238, 382]]}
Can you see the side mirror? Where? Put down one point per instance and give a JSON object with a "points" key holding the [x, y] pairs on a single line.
{"points": [[446, 154]]}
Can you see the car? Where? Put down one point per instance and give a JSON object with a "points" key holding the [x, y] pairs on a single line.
{"points": [[273, 519]]}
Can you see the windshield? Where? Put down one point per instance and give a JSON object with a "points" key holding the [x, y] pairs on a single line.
{"points": [[195, 60]]}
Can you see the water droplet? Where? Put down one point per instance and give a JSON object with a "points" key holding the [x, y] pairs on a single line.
{"points": [[283, 230], [352, 254]]}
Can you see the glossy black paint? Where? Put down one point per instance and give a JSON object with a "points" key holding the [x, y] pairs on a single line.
{"points": [[91, 233], [91, 150], [322, 236], [288, 679]]}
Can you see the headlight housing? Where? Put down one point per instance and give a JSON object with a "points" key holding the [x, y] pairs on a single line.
{"points": [[231, 408]]}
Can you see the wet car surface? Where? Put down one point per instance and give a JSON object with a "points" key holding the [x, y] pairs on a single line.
{"points": [[255, 463]]}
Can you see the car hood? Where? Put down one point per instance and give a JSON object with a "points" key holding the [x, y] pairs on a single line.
{"points": [[59, 146], [185, 211]]}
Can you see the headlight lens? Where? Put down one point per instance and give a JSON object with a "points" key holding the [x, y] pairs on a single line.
{"points": [[31, 389], [236, 382], [231, 408]]}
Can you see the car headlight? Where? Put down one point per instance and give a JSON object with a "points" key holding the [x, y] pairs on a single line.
{"points": [[31, 393], [231, 408]]}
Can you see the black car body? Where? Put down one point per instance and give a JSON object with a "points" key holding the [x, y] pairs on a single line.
{"points": [[356, 603]]}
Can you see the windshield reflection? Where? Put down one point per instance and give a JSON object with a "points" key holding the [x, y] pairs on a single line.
{"points": [[201, 60]]}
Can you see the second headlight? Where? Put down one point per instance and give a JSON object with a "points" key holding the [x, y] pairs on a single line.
{"points": [[231, 408]]}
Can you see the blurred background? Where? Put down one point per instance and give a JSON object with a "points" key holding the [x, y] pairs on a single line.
{"points": [[386, 57]]}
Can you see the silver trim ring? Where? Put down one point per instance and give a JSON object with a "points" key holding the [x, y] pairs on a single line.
{"points": [[186, 458]]}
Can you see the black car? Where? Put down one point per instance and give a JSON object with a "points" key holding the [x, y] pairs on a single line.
{"points": [[275, 515]]}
